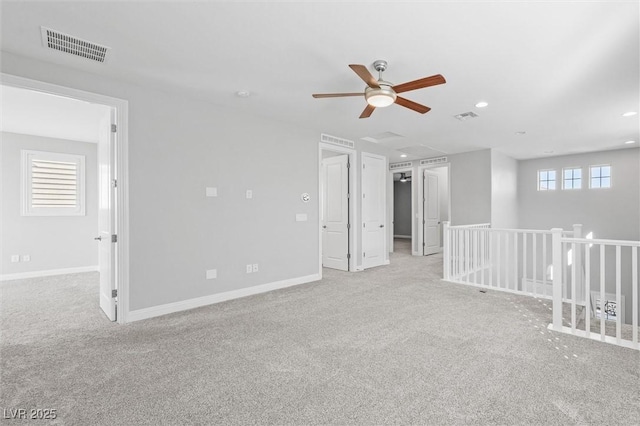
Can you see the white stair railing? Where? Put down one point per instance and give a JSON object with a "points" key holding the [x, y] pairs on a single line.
{"points": [[554, 264]]}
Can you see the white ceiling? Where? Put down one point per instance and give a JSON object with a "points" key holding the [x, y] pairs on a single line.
{"points": [[41, 114], [563, 72]]}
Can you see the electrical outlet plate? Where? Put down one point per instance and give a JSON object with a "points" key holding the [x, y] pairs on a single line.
{"points": [[26, 258], [212, 273], [15, 258], [249, 193], [212, 191], [255, 267], [249, 269]]}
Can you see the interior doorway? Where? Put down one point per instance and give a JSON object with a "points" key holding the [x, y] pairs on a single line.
{"points": [[336, 207], [110, 230], [402, 221], [435, 207]]}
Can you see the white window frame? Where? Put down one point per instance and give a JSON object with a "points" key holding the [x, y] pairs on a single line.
{"points": [[600, 177], [572, 179], [27, 208], [555, 180]]}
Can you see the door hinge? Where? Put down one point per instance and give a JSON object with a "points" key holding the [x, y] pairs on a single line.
{"points": [[348, 165], [364, 254], [363, 166], [114, 238], [423, 222], [114, 293], [115, 183], [348, 195], [348, 255], [364, 225], [348, 226], [114, 128], [424, 244]]}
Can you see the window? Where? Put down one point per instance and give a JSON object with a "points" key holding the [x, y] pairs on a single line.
{"points": [[546, 180], [600, 176], [572, 178], [52, 184]]}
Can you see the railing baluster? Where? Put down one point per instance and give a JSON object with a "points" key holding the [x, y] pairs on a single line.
{"points": [[524, 257], [507, 259], [618, 293], [491, 258], [499, 257], [544, 265], [466, 255], [515, 260], [573, 288], [602, 294], [482, 255], [634, 294], [534, 264], [587, 291]]}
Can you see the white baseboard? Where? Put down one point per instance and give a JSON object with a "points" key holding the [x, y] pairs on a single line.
{"points": [[48, 273], [169, 308]]}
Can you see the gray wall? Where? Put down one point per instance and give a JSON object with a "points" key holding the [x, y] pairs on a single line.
{"points": [[53, 242], [504, 191], [402, 208], [470, 187], [177, 147], [612, 213]]}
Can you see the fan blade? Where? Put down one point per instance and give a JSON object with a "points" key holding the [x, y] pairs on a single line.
{"points": [[365, 75], [434, 80], [412, 105], [335, 95], [367, 111]]}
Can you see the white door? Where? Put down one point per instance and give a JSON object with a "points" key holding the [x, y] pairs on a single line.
{"points": [[373, 210], [335, 212], [431, 213], [106, 222]]}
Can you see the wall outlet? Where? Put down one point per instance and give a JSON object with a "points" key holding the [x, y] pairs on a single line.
{"points": [[249, 193], [255, 267], [26, 258], [15, 258], [212, 191], [249, 269], [212, 273]]}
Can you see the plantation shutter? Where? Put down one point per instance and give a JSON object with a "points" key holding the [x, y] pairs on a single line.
{"points": [[54, 184]]}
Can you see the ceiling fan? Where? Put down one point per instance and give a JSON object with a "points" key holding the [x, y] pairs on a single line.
{"points": [[404, 178], [380, 93]]}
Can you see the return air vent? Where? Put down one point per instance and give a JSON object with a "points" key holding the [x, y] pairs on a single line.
{"points": [[400, 165], [466, 115], [336, 141], [73, 45], [437, 160]]}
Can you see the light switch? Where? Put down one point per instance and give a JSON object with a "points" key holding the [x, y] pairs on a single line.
{"points": [[249, 193], [15, 258], [212, 191], [301, 217], [212, 273]]}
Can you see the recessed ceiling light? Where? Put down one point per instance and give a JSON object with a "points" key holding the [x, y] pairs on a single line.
{"points": [[629, 114], [243, 93], [482, 104], [405, 155], [630, 142], [521, 133]]}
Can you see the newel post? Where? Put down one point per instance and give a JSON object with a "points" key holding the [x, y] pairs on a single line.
{"points": [[447, 252], [579, 297], [556, 252]]}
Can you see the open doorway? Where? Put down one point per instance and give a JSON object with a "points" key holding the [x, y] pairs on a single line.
{"points": [[72, 216], [402, 212]]}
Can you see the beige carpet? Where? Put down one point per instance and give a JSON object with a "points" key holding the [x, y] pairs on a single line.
{"points": [[390, 345]]}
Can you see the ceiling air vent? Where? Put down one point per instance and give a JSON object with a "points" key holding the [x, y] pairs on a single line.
{"points": [[73, 45], [466, 115], [336, 141]]}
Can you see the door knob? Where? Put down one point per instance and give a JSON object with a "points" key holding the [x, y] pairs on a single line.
{"points": [[381, 226], [324, 226], [98, 238]]}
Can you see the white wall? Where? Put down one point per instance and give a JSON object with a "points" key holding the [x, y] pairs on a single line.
{"points": [[610, 213], [504, 191], [177, 147], [53, 242]]}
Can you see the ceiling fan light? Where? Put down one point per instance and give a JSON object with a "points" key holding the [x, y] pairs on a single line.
{"points": [[380, 97]]}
